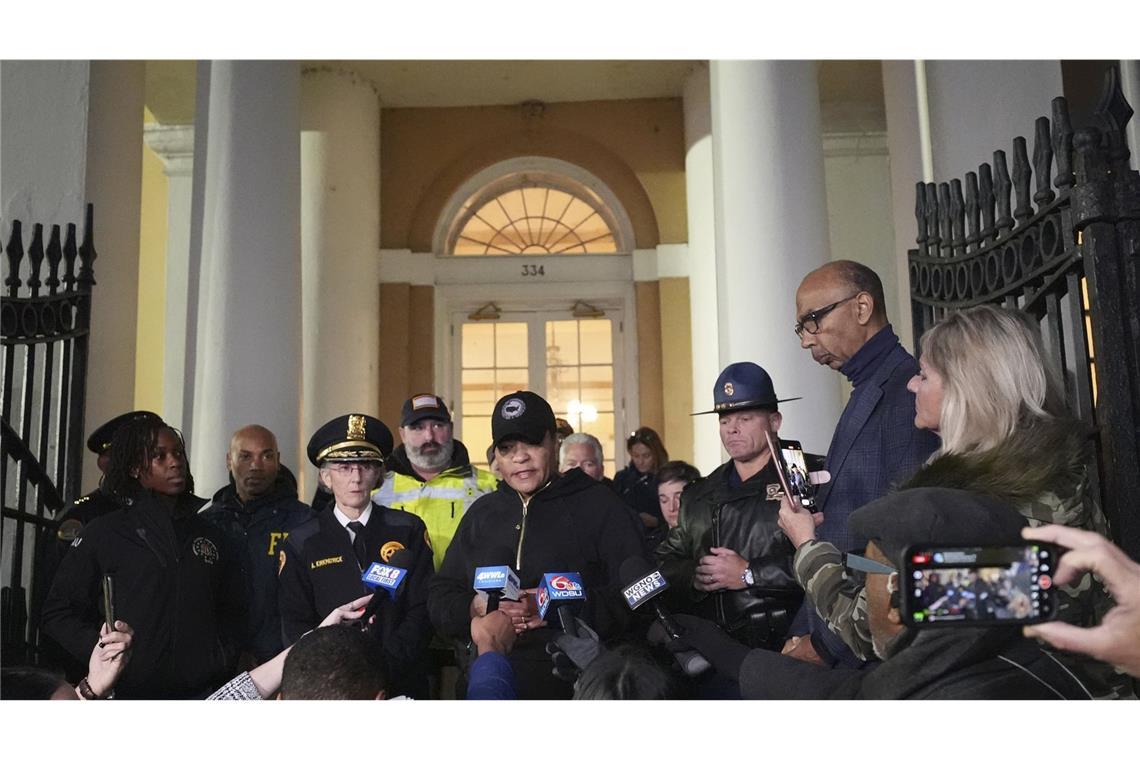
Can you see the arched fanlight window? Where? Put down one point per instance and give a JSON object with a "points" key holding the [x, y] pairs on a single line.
{"points": [[537, 212]]}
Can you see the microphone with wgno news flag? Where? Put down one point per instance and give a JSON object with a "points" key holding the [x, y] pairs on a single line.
{"points": [[643, 585], [385, 582], [563, 592], [496, 582]]}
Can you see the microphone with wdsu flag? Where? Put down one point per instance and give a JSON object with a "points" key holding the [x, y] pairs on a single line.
{"points": [[385, 582], [563, 592], [642, 585], [495, 583]]}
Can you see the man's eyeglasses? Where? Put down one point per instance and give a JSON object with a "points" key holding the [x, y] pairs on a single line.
{"points": [[853, 561], [810, 322]]}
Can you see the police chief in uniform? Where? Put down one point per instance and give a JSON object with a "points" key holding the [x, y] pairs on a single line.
{"points": [[321, 563]]}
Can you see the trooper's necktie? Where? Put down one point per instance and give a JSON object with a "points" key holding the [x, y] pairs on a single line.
{"points": [[358, 543]]}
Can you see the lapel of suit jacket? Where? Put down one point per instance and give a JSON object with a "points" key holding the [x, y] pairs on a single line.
{"points": [[865, 404]]}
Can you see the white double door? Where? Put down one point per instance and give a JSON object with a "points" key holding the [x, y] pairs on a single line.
{"points": [[577, 364]]}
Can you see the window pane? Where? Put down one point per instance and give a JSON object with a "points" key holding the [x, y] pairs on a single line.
{"points": [[477, 437], [534, 220], [562, 342], [509, 381], [597, 341], [510, 344], [562, 392], [478, 345], [603, 429], [597, 389], [478, 392]]}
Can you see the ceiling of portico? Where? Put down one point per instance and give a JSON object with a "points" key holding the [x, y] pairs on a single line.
{"points": [[851, 92]]}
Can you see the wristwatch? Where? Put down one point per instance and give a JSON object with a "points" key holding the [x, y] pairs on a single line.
{"points": [[747, 576]]}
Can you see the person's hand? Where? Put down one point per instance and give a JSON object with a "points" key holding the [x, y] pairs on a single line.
{"points": [[796, 522], [109, 657], [524, 612], [800, 648], [1117, 639], [573, 653], [721, 568], [346, 612], [493, 632]]}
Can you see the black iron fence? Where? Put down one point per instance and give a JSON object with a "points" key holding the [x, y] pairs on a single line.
{"points": [[1058, 238], [45, 319]]}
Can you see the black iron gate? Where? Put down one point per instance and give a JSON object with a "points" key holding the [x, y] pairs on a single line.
{"points": [[1065, 252], [44, 326]]}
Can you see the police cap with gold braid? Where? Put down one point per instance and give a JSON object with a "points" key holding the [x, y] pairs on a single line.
{"points": [[350, 438], [100, 440]]}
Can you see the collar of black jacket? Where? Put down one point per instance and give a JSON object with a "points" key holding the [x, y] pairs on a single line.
{"points": [[570, 482]]}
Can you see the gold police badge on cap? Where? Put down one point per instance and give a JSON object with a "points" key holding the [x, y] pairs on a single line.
{"points": [[728, 389], [356, 427]]}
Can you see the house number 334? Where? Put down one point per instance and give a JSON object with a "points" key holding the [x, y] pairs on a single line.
{"points": [[533, 270]]}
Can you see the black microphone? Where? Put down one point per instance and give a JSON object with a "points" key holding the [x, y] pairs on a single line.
{"points": [[387, 583], [642, 584]]}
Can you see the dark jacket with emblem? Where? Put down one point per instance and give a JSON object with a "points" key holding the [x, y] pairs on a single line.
{"points": [[173, 584], [254, 533], [574, 524], [742, 518], [318, 572]]}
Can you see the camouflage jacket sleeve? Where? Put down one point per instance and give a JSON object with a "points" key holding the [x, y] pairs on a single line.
{"points": [[841, 602]]}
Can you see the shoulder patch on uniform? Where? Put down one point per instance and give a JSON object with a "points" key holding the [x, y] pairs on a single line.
{"points": [[69, 530], [205, 549], [390, 548]]}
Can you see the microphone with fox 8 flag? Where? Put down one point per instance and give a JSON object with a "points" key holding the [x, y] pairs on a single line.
{"points": [[642, 585], [385, 582], [495, 583], [563, 592]]}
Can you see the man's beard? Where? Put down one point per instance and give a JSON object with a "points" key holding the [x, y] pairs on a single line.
{"points": [[431, 462]]}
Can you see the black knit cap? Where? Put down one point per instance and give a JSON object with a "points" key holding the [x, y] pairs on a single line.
{"points": [[935, 515], [100, 440], [350, 438]]}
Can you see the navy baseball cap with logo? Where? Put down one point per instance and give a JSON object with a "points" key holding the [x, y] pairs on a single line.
{"points": [[743, 385], [350, 438], [523, 415], [424, 406]]}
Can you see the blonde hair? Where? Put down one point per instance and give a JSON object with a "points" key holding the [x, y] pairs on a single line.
{"points": [[995, 378]]}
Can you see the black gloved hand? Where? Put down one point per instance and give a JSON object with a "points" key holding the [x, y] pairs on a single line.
{"points": [[724, 652], [573, 654]]}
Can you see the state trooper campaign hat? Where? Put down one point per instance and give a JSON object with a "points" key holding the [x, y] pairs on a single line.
{"points": [[100, 440], [424, 406], [350, 438], [523, 415], [743, 385]]}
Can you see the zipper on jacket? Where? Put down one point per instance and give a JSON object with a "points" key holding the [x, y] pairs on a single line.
{"points": [[718, 596], [522, 534]]}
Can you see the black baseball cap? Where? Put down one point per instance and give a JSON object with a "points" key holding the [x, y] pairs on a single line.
{"points": [[424, 406], [523, 415]]}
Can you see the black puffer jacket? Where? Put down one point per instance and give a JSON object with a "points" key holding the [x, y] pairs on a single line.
{"points": [[574, 524], [742, 518]]}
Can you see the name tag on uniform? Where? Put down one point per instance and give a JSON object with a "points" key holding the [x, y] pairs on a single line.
{"points": [[326, 562]]}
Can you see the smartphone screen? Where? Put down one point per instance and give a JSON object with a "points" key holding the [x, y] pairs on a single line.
{"points": [[979, 585], [791, 467]]}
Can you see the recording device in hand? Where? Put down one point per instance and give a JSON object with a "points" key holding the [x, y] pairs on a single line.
{"points": [[564, 593], [496, 582], [643, 585], [1010, 584], [791, 468], [385, 581], [109, 602]]}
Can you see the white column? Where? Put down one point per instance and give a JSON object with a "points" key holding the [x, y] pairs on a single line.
{"points": [[707, 451], [174, 144], [340, 246], [248, 357], [114, 186], [771, 229], [904, 147]]}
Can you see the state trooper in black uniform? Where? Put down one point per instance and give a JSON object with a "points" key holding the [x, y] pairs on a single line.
{"points": [[321, 562]]}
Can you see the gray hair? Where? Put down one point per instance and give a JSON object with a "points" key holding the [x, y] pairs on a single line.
{"points": [[579, 438]]}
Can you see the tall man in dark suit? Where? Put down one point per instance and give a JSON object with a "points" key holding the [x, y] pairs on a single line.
{"points": [[841, 318]]}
